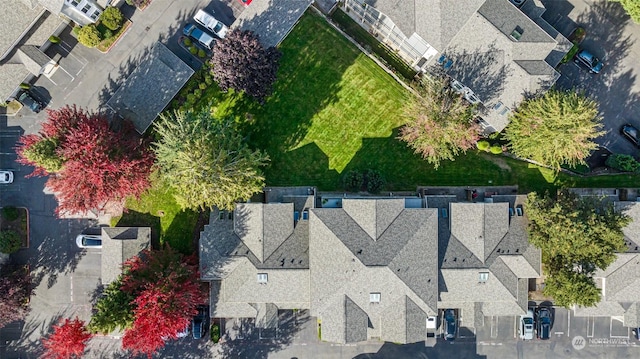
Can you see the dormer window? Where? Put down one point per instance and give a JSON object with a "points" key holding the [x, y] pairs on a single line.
{"points": [[262, 278], [483, 277]]}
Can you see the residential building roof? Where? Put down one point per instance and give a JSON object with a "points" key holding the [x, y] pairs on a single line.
{"points": [[120, 244], [373, 268], [150, 87], [271, 20], [30, 30], [620, 281], [373, 246], [496, 51], [485, 257], [257, 256], [23, 15]]}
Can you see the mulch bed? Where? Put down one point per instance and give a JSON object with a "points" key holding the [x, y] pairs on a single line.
{"points": [[20, 225]]}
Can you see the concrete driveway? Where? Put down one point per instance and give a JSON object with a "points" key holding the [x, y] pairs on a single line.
{"points": [[612, 37]]}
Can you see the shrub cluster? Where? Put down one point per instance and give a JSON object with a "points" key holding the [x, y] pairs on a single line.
{"points": [[215, 333], [10, 241], [370, 180], [625, 163], [484, 145], [10, 213], [194, 89], [110, 21]]}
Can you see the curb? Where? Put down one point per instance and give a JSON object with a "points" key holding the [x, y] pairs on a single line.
{"points": [[128, 25]]}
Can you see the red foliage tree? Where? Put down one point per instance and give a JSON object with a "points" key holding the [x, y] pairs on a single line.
{"points": [[167, 289], [68, 340], [99, 164], [242, 63], [14, 294]]}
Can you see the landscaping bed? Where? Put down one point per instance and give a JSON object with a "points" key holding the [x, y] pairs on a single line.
{"points": [[14, 224], [106, 44]]}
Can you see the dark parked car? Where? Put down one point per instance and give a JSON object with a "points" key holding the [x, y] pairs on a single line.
{"points": [[637, 333], [200, 322], [202, 37], [589, 60], [631, 133], [450, 324], [26, 99], [543, 323]]}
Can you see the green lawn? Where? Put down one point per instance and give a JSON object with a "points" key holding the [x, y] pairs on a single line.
{"points": [[333, 110], [158, 209]]}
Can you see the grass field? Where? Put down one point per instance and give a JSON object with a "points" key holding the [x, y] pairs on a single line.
{"points": [[333, 110], [158, 209]]}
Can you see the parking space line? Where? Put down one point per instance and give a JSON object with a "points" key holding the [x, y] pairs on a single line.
{"points": [[568, 322], [494, 326], [591, 324], [621, 320]]}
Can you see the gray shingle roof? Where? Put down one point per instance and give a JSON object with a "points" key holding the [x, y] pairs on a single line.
{"points": [[271, 20], [505, 18], [401, 263], [476, 35], [22, 18], [356, 322], [501, 249], [120, 244], [261, 238], [33, 59], [150, 87]]}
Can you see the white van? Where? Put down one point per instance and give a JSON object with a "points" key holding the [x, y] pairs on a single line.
{"points": [[211, 23]]}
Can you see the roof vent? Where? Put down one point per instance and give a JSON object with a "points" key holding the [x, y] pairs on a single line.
{"points": [[516, 34], [262, 278]]}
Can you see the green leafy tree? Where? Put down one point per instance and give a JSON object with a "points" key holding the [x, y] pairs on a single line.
{"points": [[207, 161], [439, 123], [632, 7], [568, 287], [111, 17], [113, 310], [577, 236], [89, 35], [43, 153], [555, 128], [624, 163]]}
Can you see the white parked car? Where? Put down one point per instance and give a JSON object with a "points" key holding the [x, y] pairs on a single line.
{"points": [[6, 177], [526, 326], [211, 23], [89, 241]]}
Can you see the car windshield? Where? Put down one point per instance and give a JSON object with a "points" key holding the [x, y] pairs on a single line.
{"points": [[218, 27], [528, 321], [632, 131], [89, 242], [6, 176]]}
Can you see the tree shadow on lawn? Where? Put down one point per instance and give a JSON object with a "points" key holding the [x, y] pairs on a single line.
{"points": [[401, 168], [315, 58], [132, 218], [181, 232]]}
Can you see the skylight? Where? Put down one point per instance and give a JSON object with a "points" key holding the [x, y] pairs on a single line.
{"points": [[516, 34], [374, 297]]}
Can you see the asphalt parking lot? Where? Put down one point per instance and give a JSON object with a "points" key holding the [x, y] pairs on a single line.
{"points": [[611, 36]]}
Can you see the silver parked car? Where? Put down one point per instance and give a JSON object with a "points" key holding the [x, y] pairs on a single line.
{"points": [[89, 241], [6, 177], [525, 328]]}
